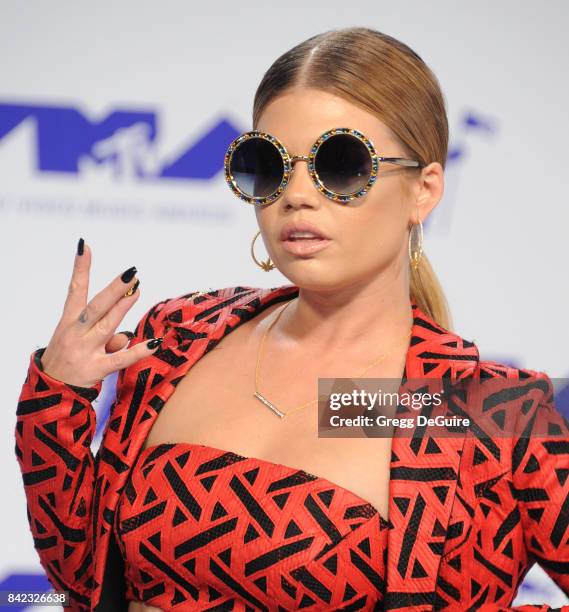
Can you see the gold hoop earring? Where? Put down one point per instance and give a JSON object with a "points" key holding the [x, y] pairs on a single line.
{"points": [[416, 250], [266, 265]]}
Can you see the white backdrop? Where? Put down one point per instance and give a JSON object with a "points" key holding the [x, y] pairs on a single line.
{"points": [[180, 78]]}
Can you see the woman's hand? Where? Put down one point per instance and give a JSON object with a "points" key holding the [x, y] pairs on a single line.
{"points": [[84, 347]]}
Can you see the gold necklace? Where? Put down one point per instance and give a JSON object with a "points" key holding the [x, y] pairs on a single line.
{"points": [[269, 404]]}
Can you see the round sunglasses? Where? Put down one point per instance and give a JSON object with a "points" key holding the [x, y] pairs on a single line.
{"points": [[343, 164]]}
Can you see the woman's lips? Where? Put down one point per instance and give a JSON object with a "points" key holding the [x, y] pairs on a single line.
{"points": [[305, 246]]}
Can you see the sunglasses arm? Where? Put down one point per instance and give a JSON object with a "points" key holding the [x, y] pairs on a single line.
{"points": [[411, 163]]}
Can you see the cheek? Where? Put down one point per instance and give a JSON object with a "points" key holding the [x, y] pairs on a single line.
{"points": [[379, 226], [265, 220]]}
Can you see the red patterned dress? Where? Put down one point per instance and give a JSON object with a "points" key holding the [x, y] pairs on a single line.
{"points": [[240, 533]]}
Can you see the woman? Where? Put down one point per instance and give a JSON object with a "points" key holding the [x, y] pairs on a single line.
{"points": [[211, 488]]}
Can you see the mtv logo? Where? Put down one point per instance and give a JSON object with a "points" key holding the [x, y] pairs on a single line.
{"points": [[123, 142]]}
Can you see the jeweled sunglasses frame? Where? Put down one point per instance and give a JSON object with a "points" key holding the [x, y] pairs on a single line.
{"points": [[289, 160]]}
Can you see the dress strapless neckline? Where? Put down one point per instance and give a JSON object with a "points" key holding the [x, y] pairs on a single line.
{"points": [[199, 526], [147, 453]]}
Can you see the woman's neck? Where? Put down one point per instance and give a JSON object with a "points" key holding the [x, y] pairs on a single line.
{"points": [[349, 316]]}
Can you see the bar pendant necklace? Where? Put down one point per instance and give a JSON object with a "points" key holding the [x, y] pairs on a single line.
{"points": [[269, 404]]}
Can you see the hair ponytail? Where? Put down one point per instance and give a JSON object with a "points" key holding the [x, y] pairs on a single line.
{"points": [[425, 289]]}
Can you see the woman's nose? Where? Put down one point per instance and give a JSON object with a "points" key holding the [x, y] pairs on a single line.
{"points": [[300, 190]]}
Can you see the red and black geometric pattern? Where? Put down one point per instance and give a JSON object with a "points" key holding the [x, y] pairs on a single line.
{"points": [[245, 529], [468, 515]]}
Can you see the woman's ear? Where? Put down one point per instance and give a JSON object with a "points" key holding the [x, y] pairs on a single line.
{"points": [[427, 190]]}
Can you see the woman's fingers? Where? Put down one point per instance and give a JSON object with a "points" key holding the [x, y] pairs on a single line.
{"points": [[119, 341], [84, 315], [124, 359], [78, 290], [93, 317], [105, 327], [84, 348]]}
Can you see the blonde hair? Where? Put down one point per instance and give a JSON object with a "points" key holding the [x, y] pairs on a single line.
{"points": [[388, 79]]}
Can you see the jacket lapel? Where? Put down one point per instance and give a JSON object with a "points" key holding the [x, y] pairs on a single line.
{"points": [[423, 472]]}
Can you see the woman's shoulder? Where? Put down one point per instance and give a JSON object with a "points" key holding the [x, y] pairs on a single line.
{"points": [[496, 369], [173, 306], [184, 308], [504, 381], [514, 376]]}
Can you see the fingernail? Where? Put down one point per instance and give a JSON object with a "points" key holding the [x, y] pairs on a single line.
{"points": [[127, 333], [128, 275], [133, 288], [152, 344], [80, 246]]}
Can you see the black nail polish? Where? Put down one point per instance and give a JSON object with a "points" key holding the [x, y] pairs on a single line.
{"points": [[80, 246], [127, 333], [152, 344], [128, 275]]}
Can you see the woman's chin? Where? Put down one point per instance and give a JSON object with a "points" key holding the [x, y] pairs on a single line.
{"points": [[311, 278]]}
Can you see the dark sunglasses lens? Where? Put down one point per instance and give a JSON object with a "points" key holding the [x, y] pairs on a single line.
{"points": [[343, 164], [257, 167]]}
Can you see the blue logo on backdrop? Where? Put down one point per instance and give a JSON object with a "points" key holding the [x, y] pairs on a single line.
{"points": [[124, 139]]}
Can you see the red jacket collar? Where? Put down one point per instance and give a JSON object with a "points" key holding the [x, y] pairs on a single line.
{"points": [[434, 351]]}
